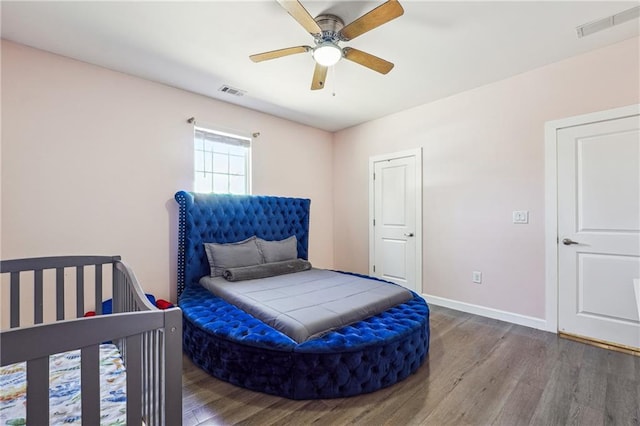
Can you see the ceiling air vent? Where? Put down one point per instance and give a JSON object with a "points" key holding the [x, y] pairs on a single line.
{"points": [[609, 21], [232, 90]]}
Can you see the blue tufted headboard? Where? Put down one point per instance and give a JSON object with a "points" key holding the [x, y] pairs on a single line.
{"points": [[223, 218]]}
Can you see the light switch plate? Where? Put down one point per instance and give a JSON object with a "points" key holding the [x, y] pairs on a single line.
{"points": [[521, 216], [476, 277]]}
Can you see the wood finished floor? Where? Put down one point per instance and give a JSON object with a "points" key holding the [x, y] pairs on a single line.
{"points": [[479, 372]]}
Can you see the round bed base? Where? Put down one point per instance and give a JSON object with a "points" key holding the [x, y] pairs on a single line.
{"points": [[361, 358]]}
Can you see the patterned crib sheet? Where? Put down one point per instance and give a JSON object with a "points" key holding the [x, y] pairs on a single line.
{"points": [[64, 389]]}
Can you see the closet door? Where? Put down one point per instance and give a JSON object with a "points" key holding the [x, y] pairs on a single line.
{"points": [[599, 230]]}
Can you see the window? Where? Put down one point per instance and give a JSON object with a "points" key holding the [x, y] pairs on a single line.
{"points": [[221, 162]]}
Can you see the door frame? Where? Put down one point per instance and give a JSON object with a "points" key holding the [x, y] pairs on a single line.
{"points": [[417, 153], [551, 199]]}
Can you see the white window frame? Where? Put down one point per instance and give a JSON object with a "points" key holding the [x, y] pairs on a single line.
{"points": [[204, 164]]}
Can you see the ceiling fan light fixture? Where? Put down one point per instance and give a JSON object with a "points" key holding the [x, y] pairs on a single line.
{"points": [[327, 53]]}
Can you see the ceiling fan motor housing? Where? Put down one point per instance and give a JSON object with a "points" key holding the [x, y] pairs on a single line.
{"points": [[330, 26]]}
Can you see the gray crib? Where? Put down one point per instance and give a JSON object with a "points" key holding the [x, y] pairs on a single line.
{"points": [[149, 339]]}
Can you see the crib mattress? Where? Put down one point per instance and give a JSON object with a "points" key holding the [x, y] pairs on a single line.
{"points": [[64, 389]]}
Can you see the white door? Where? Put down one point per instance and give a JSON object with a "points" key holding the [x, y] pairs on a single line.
{"points": [[396, 248], [599, 230]]}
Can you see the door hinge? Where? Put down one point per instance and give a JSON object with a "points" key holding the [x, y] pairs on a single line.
{"points": [[374, 268], [374, 176], [374, 222]]}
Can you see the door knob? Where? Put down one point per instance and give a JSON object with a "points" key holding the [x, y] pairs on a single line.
{"points": [[410, 234], [569, 241]]}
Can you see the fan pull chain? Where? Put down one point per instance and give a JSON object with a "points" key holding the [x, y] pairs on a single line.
{"points": [[333, 80]]}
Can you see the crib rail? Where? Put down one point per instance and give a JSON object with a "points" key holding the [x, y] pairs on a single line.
{"points": [[59, 263], [157, 348], [149, 339]]}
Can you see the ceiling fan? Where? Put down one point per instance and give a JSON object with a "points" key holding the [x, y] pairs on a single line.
{"points": [[328, 31]]}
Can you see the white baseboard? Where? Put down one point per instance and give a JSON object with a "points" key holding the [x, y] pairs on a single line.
{"points": [[519, 319]]}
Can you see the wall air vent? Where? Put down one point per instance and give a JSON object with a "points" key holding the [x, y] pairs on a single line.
{"points": [[608, 22], [232, 90]]}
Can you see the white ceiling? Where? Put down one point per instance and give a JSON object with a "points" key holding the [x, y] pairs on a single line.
{"points": [[439, 48]]}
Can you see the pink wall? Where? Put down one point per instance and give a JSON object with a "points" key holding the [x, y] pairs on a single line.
{"points": [[483, 158], [91, 159]]}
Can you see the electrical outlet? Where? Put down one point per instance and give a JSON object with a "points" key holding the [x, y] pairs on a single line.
{"points": [[476, 277], [521, 216]]}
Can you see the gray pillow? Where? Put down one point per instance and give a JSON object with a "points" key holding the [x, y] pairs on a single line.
{"points": [[232, 255], [266, 270], [278, 251]]}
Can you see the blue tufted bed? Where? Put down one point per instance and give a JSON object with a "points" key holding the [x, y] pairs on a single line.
{"points": [[236, 347]]}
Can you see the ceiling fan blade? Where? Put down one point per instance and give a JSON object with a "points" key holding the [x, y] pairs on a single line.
{"points": [[319, 77], [368, 60], [300, 14], [273, 54], [378, 16]]}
